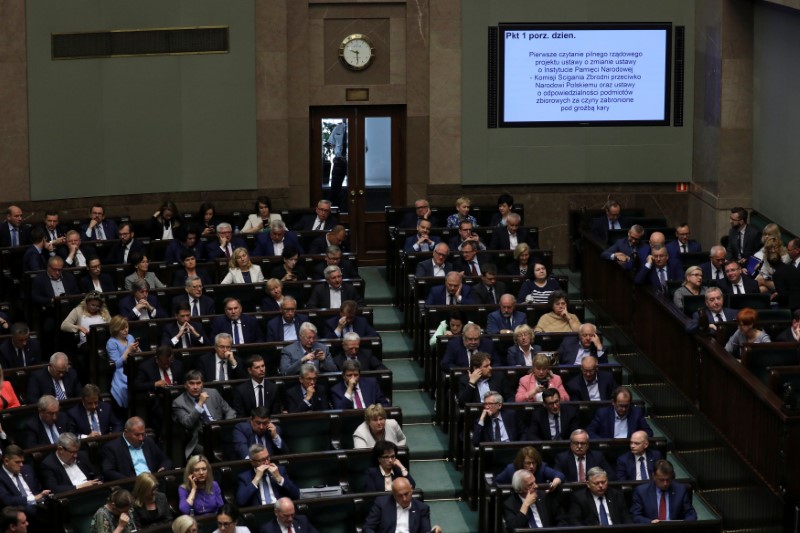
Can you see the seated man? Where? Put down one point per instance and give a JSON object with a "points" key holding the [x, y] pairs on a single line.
{"points": [[265, 482], [529, 506], [576, 461], [658, 270], [348, 321], [119, 252], [505, 319], [597, 504], [306, 349], [600, 225], [713, 313], [68, 467], [466, 233], [99, 228], [469, 264], [20, 349], [555, 421], [306, 395], [335, 237], [573, 349], [354, 391], [97, 280], [509, 236], [287, 326], [132, 453], [661, 498], [682, 243], [242, 328], [45, 428], [322, 220], [423, 241], [332, 293], [274, 242], [351, 350], [422, 211], [459, 350], [58, 380], [75, 254], [620, 420], [183, 333], [18, 484], [437, 265], [225, 243], [161, 370], [52, 282], [257, 391], [714, 269], [14, 232], [388, 511], [735, 282], [258, 430], [91, 417], [453, 292], [496, 424], [790, 334], [333, 257], [590, 385], [223, 364], [35, 258], [638, 463], [196, 407], [199, 303], [140, 304], [628, 252], [286, 519], [489, 290], [472, 387]]}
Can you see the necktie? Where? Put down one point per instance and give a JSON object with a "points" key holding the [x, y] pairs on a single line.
{"points": [[21, 354], [227, 251], [260, 395], [21, 487], [662, 276], [558, 428], [265, 492], [474, 268], [498, 437], [318, 227], [185, 341], [603, 515], [642, 469], [452, 300], [14, 237], [581, 471], [53, 236], [719, 274], [95, 422], [719, 317], [101, 235], [289, 529], [195, 308], [683, 248], [491, 295], [531, 520], [662, 507], [508, 323], [235, 327], [736, 289], [53, 434], [59, 391], [357, 399], [204, 416], [166, 377], [741, 244], [221, 372]]}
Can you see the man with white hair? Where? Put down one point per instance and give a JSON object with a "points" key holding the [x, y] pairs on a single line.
{"points": [[306, 349]]}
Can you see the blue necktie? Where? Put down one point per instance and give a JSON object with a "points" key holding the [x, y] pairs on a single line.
{"points": [[642, 469], [14, 237], [95, 422], [603, 515], [531, 519], [60, 395], [21, 487], [235, 332]]}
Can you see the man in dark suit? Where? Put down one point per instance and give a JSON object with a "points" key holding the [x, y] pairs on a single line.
{"points": [[196, 407], [75, 253], [99, 228], [604, 426], [58, 380], [382, 518], [481, 379], [306, 349], [437, 265], [223, 364], [505, 319], [275, 241], [199, 303], [183, 333], [469, 263], [20, 349], [577, 461], [120, 251], [658, 270], [496, 424], [351, 350], [225, 243], [13, 232], [287, 326], [324, 295], [460, 350], [637, 464], [555, 421], [258, 430], [161, 370], [712, 313], [529, 506], [335, 237], [68, 455], [322, 220], [35, 257], [257, 392], [18, 484], [286, 519], [598, 504], [306, 395], [509, 236], [94, 268], [465, 234], [714, 269], [787, 278], [573, 349], [422, 211], [422, 241], [242, 328], [140, 304], [347, 321], [682, 243], [628, 252], [333, 257], [662, 499], [54, 231], [116, 455], [52, 282], [453, 292], [590, 385], [735, 282], [489, 290], [45, 428], [91, 417], [265, 483], [600, 225], [744, 240], [354, 391]]}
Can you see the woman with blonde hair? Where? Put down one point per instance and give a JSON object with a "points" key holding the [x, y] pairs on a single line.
{"points": [[199, 493], [539, 379], [692, 286], [150, 507], [119, 347], [92, 310], [523, 264], [377, 427], [771, 255], [184, 524], [462, 213], [241, 269], [523, 351], [274, 298]]}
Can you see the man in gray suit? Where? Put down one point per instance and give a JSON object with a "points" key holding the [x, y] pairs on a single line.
{"points": [[306, 349], [196, 407]]}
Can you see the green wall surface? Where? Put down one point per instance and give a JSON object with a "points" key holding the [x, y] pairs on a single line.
{"points": [[126, 125], [602, 154]]}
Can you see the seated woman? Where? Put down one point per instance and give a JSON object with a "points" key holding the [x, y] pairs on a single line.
{"points": [[114, 517], [452, 326], [189, 260], [522, 265], [539, 379], [165, 222], [199, 494], [558, 320], [259, 221], [185, 524], [523, 351], [388, 468], [141, 270], [538, 289], [119, 347], [746, 332], [692, 286], [150, 507], [8, 398], [185, 240], [504, 204], [207, 219], [462, 213], [92, 310], [274, 298], [241, 269], [377, 427], [771, 256], [289, 270], [228, 520], [530, 459]]}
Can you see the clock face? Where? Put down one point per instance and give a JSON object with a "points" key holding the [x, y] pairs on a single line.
{"points": [[356, 52]]}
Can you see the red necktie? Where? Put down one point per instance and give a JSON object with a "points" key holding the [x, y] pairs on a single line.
{"points": [[581, 471], [357, 399], [662, 507], [166, 378]]}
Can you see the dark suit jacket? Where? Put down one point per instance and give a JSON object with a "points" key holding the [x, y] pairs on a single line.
{"points": [[649, 276], [583, 512], [321, 296], [244, 437], [306, 223], [206, 303], [546, 506], [540, 423], [365, 357], [171, 330], [627, 466], [373, 478], [645, 509], [752, 242], [410, 220], [622, 246], [116, 255], [42, 291], [106, 283], [34, 434], [293, 399], [513, 425], [500, 239], [599, 226], [496, 322], [674, 247], [456, 353], [382, 517], [244, 398], [411, 240], [10, 359], [40, 383], [209, 365], [9, 493], [55, 478], [5, 235], [579, 392], [360, 325], [250, 330], [425, 268], [320, 245], [61, 231], [179, 277], [708, 276], [565, 462], [117, 463], [275, 327], [300, 525], [109, 228], [602, 425], [34, 259], [497, 382], [346, 266], [438, 295], [787, 285], [265, 246], [213, 251], [568, 351], [480, 294], [127, 304], [109, 423], [148, 374], [248, 495], [750, 285], [173, 252], [785, 336], [727, 313], [370, 391]]}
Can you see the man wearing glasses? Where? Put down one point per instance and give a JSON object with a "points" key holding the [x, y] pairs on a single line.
{"points": [[577, 461], [495, 424], [265, 482], [628, 250], [67, 468], [422, 211], [320, 221], [555, 421], [437, 265]]}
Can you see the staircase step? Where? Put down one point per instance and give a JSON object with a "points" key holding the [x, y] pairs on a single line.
{"points": [[747, 507], [406, 374], [717, 467], [396, 344], [425, 441], [377, 290], [452, 516], [417, 406], [437, 478], [690, 432], [662, 398], [387, 318]]}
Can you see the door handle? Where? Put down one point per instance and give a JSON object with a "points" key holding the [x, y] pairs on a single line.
{"points": [[361, 192], [353, 193]]}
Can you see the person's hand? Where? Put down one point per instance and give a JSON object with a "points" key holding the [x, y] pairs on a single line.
{"points": [[191, 329], [157, 214], [260, 469], [352, 382], [532, 497], [90, 483], [83, 330], [310, 392], [272, 468], [202, 398], [92, 223], [39, 497], [342, 322], [73, 248], [320, 355], [398, 464], [436, 529], [230, 358], [309, 356], [485, 413], [192, 482], [554, 484], [448, 332], [475, 376], [223, 241], [273, 431], [160, 383], [649, 259], [597, 342], [123, 520]]}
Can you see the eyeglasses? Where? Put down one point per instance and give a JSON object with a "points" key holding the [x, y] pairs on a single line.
{"points": [[224, 524], [388, 457]]}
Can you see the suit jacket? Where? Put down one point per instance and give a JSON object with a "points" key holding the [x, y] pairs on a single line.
{"points": [[55, 478], [206, 303], [674, 247], [382, 517], [425, 268], [275, 327], [172, 254], [455, 356], [547, 507], [299, 525], [185, 414], [752, 242], [495, 321], [497, 382], [321, 296], [34, 259], [565, 462], [34, 434], [109, 228], [602, 425], [42, 290], [568, 351], [79, 419], [515, 356], [540, 423], [370, 392], [9, 492], [583, 512], [170, 331], [708, 274], [411, 240], [373, 478], [294, 399], [627, 464], [265, 246], [40, 383], [293, 353], [622, 246], [599, 226], [244, 398], [248, 495], [501, 241], [244, 437], [5, 235], [179, 277], [438, 295], [727, 313], [213, 250], [579, 392], [513, 425], [359, 325], [480, 294], [208, 365], [250, 329], [649, 276], [365, 357], [346, 266], [117, 462], [750, 285], [106, 283], [148, 374], [116, 255], [787, 285], [645, 508], [127, 304], [320, 245], [9, 358], [306, 223], [410, 220]]}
